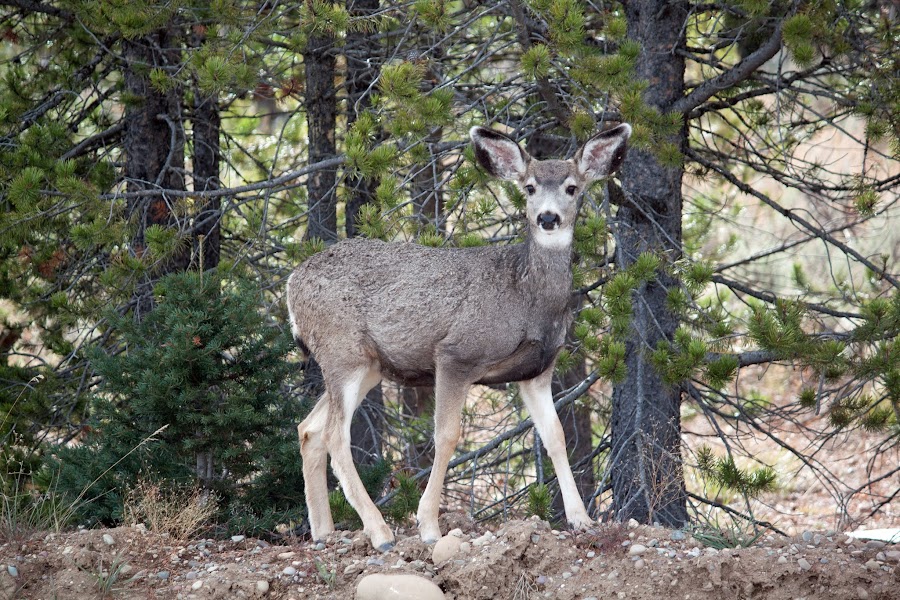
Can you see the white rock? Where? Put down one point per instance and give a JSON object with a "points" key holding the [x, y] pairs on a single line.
{"points": [[397, 587], [197, 584], [782, 560], [804, 564], [108, 539], [445, 549], [237, 538], [286, 555], [262, 586], [465, 547], [636, 549], [289, 571], [12, 570]]}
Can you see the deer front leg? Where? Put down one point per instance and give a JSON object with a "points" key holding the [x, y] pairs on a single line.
{"points": [[450, 396], [538, 399]]}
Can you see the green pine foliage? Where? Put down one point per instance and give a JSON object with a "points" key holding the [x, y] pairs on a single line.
{"points": [[725, 474], [200, 376]]}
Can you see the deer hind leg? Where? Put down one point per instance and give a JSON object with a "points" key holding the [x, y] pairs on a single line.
{"points": [[315, 461], [538, 399], [450, 396], [353, 389]]}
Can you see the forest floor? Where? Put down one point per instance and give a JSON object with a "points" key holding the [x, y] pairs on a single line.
{"points": [[515, 560], [518, 560]]}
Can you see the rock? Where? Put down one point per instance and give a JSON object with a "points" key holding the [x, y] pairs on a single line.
{"points": [[12, 570], [465, 547], [375, 562], [397, 587], [197, 584], [286, 555], [633, 524], [566, 575], [807, 536], [446, 548], [192, 575], [289, 571], [343, 550], [262, 586], [677, 535], [320, 546], [804, 564], [782, 560], [108, 539], [591, 554], [639, 563], [535, 538], [354, 569], [873, 565], [162, 575], [861, 593], [237, 538], [874, 545], [893, 555], [636, 550]]}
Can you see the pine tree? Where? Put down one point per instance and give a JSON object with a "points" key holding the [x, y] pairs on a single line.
{"points": [[193, 398]]}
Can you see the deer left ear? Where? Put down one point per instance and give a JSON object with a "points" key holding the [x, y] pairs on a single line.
{"points": [[603, 154]]}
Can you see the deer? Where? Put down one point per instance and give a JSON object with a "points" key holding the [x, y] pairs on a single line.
{"points": [[447, 317]]}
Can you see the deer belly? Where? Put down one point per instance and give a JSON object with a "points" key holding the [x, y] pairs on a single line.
{"points": [[529, 360]]}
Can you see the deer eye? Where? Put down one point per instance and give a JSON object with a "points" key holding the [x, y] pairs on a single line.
{"points": [[530, 189], [571, 190]]}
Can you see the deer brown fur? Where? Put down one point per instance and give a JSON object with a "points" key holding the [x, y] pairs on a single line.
{"points": [[448, 317]]}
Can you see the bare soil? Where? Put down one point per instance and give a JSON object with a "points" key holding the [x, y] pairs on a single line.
{"points": [[519, 560]]}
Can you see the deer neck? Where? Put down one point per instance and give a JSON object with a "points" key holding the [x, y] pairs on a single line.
{"points": [[550, 264]]}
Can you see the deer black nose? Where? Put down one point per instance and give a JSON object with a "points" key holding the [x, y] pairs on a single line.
{"points": [[548, 220]]}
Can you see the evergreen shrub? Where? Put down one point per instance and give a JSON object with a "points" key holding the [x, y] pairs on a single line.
{"points": [[195, 396]]}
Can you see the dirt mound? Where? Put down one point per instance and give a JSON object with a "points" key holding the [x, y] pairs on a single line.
{"points": [[520, 560]]}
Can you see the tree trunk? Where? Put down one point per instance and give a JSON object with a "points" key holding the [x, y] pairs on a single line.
{"points": [[154, 151], [646, 466], [321, 112], [207, 125], [367, 426]]}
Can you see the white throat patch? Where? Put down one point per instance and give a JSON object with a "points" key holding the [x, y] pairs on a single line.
{"points": [[557, 238]]}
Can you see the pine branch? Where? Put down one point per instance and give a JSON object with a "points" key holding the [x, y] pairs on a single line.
{"points": [[110, 134], [791, 216], [37, 7], [732, 77], [560, 112]]}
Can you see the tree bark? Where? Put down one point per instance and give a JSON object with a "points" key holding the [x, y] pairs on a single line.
{"points": [[646, 465], [154, 151], [367, 426], [207, 126], [321, 112]]}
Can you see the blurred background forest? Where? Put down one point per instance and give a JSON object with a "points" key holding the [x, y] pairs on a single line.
{"points": [[164, 166]]}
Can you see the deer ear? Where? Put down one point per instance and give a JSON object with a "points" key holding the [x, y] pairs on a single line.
{"points": [[603, 153], [498, 155]]}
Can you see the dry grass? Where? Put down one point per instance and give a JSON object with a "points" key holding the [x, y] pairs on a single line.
{"points": [[178, 512]]}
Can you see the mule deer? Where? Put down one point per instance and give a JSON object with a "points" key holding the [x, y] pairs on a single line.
{"points": [[448, 317]]}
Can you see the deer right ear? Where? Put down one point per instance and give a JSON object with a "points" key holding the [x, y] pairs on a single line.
{"points": [[497, 154]]}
